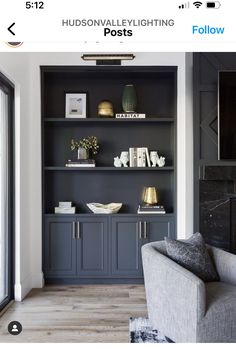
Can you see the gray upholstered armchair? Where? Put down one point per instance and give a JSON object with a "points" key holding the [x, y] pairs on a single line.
{"points": [[182, 306]]}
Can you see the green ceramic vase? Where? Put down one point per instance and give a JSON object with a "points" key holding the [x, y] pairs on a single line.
{"points": [[129, 99]]}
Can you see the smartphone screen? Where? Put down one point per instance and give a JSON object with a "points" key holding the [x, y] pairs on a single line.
{"points": [[117, 172]]}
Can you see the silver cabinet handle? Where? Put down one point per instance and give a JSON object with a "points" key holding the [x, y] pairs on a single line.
{"points": [[140, 230], [78, 230], [145, 230], [73, 230]]}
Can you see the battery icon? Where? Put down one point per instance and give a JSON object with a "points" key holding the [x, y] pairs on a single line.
{"points": [[213, 4]]}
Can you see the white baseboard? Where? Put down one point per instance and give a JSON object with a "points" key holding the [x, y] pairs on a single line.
{"points": [[24, 287]]}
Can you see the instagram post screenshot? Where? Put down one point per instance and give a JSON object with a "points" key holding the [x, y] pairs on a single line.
{"points": [[117, 173]]}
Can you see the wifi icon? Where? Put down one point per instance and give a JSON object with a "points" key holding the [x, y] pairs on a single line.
{"points": [[197, 4]]}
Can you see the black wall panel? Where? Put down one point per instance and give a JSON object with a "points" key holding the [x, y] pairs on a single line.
{"points": [[212, 199]]}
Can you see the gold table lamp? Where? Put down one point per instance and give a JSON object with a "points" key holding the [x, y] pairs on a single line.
{"points": [[150, 196]]}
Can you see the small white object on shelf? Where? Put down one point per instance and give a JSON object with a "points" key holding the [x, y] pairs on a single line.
{"points": [[65, 204], [96, 207], [124, 158], [117, 162], [154, 158], [161, 161]]}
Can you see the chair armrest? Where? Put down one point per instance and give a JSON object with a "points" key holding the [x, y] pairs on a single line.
{"points": [[225, 263], [175, 296]]}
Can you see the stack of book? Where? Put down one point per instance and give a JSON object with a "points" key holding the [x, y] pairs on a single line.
{"points": [[65, 207], [147, 209], [81, 163], [138, 157]]}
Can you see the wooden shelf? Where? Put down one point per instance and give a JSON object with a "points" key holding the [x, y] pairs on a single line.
{"points": [[95, 169], [106, 120]]}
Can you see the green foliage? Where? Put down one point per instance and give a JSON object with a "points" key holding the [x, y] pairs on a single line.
{"points": [[89, 143]]}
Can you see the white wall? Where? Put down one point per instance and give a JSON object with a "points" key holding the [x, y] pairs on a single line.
{"points": [[24, 70], [15, 67]]}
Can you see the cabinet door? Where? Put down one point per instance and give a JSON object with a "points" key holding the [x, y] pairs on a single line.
{"points": [[156, 228], [59, 247], [92, 246], [126, 247]]}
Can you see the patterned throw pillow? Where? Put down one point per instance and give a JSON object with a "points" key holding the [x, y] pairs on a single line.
{"points": [[192, 254]]}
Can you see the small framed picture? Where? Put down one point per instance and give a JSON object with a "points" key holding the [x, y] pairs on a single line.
{"points": [[76, 105]]}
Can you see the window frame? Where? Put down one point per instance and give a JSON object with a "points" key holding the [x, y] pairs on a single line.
{"points": [[8, 87]]}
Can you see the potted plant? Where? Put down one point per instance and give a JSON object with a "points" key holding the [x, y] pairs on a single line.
{"points": [[84, 146]]}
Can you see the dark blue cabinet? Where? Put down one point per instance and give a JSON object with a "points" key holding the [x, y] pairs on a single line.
{"points": [[128, 236], [156, 228], [126, 245], [59, 247], [75, 246], [92, 246], [100, 248]]}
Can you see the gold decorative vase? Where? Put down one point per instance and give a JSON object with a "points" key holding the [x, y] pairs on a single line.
{"points": [[105, 109], [150, 196]]}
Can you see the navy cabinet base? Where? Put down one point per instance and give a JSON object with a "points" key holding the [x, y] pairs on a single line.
{"points": [[98, 249]]}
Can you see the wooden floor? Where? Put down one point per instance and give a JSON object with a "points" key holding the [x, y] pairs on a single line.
{"points": [[94, 313]]}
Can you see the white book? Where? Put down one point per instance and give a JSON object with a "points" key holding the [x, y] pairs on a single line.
{"points": [[133, 157], [70, 210], [141, 157], [148, 157], [144, 157], [151, 212], [65, 204], [80, 165]]}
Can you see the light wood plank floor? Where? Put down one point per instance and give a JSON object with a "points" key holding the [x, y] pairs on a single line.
{"points": [[91, 313]]}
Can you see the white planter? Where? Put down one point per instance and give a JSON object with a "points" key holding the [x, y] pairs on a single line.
{"points": [[83, 154]]}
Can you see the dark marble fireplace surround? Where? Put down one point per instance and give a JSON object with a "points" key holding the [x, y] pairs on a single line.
{"points": [[218, 206], [214, 180]]}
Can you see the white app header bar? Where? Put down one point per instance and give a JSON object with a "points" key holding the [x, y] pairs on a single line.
{"points": [[127, 25]]}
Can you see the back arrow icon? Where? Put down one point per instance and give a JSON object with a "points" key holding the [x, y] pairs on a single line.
{"points": [[9, 28]]}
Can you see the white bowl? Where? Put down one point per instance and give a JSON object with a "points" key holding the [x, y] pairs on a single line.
{"points": [[96, 207]]}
